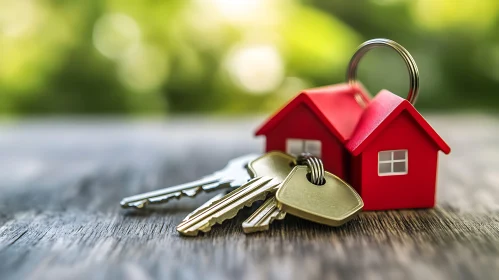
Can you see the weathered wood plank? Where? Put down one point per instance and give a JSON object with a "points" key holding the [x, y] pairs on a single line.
{"points": [[61, 181]]}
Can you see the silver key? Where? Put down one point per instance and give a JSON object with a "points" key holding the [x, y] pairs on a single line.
{"points": [[233, 175]]}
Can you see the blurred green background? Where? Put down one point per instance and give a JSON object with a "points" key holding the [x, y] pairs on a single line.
{"points": [[237, 56]]}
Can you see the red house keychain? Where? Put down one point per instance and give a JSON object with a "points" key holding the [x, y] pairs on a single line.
{"points": [[382, 146]]}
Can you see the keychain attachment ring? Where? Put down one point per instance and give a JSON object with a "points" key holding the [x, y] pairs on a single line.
{"points": [[320, 170], [315, 165], [409, 62]]}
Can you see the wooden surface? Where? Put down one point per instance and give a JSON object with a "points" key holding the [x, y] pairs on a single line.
{"points": [[61, 182]]}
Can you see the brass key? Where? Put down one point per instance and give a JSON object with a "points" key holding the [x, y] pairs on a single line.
{"points": [[277, 165], [273, 164], [228, 206], [333, 202], [204, 206], [261, 219], [269, 211]]}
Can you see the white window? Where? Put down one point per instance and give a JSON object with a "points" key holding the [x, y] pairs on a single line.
{"points": [[392, 163], [298, 146]]}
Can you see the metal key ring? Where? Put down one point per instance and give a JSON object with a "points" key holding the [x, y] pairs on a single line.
{"points": [[317, 170], [409, 62], [315, 165], [322, 171], [313, 170]]}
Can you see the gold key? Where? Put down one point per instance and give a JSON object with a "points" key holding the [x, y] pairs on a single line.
{"points": [[276, 165], [204, 206], [228, 206], [273, 164], [261, 219], [333, 202]]}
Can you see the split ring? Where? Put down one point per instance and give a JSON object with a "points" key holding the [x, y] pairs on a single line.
{"points": [[315, 165], [320, 167], [409, 62], [313, 168], [321, 171]]}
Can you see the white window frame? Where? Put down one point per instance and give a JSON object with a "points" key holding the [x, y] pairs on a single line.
{"points": [[312, 146], [392, 161]]}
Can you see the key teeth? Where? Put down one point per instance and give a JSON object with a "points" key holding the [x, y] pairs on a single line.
{"points": [[203, 207], [257, 223], [215, 220], [178, 195], [249, 228], [136, 205], [221, 217], [191, 189], [281, 215]]}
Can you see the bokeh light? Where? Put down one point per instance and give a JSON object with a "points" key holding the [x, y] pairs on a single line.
{"points": [[116, 34], [239, 11], [467, 14], [143, 68], [258, 68], [178, 56], [18, 17]]}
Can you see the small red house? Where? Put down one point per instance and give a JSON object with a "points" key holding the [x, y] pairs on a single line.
{"points": [[383, 146], [318, 122]]}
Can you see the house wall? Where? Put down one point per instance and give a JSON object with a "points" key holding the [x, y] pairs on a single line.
{"points": [[302, 123], [355, 173], [417, 188]]}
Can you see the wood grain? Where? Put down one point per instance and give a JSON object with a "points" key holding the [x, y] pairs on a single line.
{"points": [[61, 182]]}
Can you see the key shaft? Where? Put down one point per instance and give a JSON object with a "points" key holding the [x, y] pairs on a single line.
{"points": [[163, 195], [233, 174], [261, 219], [228, 206], [204, 206]]}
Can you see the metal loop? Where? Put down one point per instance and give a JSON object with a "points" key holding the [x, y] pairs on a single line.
{"points": [[320, 166], [311, 162], [313, 168], [315, 165], [409, 62]]}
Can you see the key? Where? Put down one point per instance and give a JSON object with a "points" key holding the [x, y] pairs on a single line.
{"points": [[228, 206], [273, 164], [231, 176], [269, 211], [204, 206], [277, 165], [261, 219], [332, 203]]}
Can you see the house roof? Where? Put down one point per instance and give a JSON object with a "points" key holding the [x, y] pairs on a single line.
{"points": [[383, 109], [337, 106]]}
